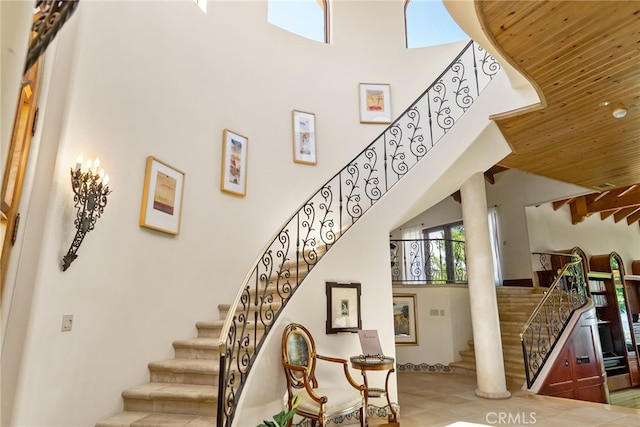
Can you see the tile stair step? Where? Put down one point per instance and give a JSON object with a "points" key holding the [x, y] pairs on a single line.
{"points": [[185, 371], [514, 317], [508, 354], [149, 419], [197, 348], [223, 309], [212, 328], [185, 399], [461, 364], [209, 328]]}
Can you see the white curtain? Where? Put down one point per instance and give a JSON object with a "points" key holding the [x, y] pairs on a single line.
{"points": [[413, 255], [494, 236]]}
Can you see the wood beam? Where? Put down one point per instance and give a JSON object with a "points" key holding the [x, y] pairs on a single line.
{"points": [[623, 213], [633, 217], [560, 203], [607, 203], [578, 210], [606, 214]]}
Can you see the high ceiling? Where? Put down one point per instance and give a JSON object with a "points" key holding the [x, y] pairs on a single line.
{"points": [[584, 59]]}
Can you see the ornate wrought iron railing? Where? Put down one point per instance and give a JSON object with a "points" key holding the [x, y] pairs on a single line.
{"points": [[547, 322], [428, 261], [48, 19], [298, 246]]}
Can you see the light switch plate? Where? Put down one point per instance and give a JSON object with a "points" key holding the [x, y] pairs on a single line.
{"points": [[67, 322]]}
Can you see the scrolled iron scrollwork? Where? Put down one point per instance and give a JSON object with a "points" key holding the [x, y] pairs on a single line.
{"points": [[549, 320], [330, 212], [489, 64], [416, 140], [444, 120]]}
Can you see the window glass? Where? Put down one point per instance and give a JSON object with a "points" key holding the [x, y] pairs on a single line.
{"points": [[202, 4], [428, 23], [305, 18]]}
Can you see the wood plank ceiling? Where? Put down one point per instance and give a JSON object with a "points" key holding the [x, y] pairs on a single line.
{"points": [[584, 59]]}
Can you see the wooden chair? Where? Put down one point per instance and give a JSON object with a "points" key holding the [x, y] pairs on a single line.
{"points": [[320, 404]]}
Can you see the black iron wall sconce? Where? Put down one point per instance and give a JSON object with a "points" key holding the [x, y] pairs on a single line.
{"points": [[90, 191]]}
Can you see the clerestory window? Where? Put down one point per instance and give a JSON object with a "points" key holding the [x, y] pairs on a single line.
{"points": [[306, 18], [428, 23]]}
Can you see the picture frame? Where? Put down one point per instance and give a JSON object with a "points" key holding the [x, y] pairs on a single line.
{"points": [[405, 328], [304, 137], [343, 307], [233, 174], [162, 197], [375, 103]]}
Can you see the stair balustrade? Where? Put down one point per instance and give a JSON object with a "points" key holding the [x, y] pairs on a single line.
{"points": [[550, 318], [311, 231], [428, 261]]}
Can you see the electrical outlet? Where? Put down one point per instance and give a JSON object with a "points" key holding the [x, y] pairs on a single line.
{"points": [[67, 322]]}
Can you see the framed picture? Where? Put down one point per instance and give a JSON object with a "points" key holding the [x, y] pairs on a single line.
{"points": [[375, 103], [343, 307], [162, 197], [233, 177], [304, 137], [404, 319]]}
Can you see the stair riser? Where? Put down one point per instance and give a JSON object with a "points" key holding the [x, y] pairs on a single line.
{"points": [[183, 377], [183, 407], [197, 353], [214, 331], [274, 308], [514, 309], [209, 332]]}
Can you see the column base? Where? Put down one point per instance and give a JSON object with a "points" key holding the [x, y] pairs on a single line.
{"points": [[493, 395]]}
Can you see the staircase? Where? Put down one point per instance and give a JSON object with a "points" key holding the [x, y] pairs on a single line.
{"points": [[181, 391], [184, 390], [515, 305]]}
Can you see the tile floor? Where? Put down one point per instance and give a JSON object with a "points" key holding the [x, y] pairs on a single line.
{"points": [[443, 399]]}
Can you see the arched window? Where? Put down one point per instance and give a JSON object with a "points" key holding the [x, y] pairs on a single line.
{"points": [[306, 18], [202, 4], [428, 23]]}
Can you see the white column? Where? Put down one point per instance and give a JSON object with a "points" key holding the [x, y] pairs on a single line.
{"points": [[482, 292]]}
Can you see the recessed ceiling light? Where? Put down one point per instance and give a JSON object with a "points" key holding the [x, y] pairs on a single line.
{"points": [[604, 103], [619, 112]]}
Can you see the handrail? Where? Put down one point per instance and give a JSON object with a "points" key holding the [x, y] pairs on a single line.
{"points": [[333, 209], [541, 331], [428, 261]]}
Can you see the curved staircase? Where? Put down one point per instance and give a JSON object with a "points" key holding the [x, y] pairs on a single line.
{"points": [[199, 382], [182, 391], [515, 305]]}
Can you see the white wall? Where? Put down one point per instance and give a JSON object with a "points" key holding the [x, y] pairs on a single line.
{"points": [[363, 256], [512, 192], [528, 224], [133, 79], [444, 324], [551, 230]]}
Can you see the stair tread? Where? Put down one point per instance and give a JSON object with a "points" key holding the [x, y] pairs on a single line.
{"points": [[200, 342], [150, 419], [153, 390], [121, 419], [186, 365]]}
